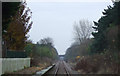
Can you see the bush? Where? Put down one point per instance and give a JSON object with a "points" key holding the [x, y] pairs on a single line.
{"points": [[102, 64], [87, 66]]}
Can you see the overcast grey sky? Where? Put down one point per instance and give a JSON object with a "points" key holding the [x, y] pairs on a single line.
{"points": [[56, 19]]}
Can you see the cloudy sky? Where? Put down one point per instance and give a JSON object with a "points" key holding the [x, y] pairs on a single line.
{"points": [[55, 19]]}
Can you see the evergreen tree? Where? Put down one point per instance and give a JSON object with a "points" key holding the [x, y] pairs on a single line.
{"points": [[18, 28], [9, 9], [111, 18]]}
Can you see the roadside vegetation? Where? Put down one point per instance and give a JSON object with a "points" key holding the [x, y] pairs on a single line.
{"points": [[42, 52], [16, 23], [95, 50], [98, 54]]}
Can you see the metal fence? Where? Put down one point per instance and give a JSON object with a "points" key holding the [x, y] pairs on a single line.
{"points": [[16, 54]]}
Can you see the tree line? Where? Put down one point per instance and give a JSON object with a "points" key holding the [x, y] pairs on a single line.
{"points": [[100, 53], [43, 48], [99, 38], [16, 23]]}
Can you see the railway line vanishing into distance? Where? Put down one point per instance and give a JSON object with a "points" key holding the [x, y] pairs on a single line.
{"points": [[60, 68]]}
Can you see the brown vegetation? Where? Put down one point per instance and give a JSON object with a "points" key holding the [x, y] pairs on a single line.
{"points": [[98, 64], [38, 61]]}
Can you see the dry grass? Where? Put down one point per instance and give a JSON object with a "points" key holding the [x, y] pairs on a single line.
{"points": [[98, 64]]}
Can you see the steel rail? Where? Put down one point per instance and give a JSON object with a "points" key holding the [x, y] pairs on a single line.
{"points": [[56, 71], [67, 72]]}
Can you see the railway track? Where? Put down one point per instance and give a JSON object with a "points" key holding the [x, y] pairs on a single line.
{"points": [[60, 68]]}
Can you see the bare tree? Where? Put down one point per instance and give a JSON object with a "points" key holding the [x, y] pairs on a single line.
{"points": [[82, 30], [49, 40], [113, 1], [46, 41]]}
